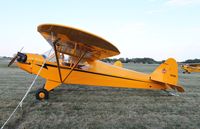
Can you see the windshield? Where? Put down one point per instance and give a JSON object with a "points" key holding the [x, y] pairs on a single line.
{"points": [[65, 60], [52, 57]]}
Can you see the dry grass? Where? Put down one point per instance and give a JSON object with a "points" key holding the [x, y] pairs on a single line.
{"points": [[75, 106]]}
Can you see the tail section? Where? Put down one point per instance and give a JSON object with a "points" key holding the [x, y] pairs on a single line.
{"points": [[118, 63], [167, 73]]}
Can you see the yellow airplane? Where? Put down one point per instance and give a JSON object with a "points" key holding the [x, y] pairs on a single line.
{"points": [[189, 68], [85, 50]]}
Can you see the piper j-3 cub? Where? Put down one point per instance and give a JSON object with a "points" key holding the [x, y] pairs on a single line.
{"points": [[85, 50], [189, 68]]}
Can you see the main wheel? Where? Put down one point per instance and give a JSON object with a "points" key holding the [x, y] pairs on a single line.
{"points": [[42, 94]]}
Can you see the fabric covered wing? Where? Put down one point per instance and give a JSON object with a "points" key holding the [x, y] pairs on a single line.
{"points": [[74, 42]]}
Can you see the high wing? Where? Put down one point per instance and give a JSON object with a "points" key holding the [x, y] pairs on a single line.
{"points": [[194, 65], [74, 42]]}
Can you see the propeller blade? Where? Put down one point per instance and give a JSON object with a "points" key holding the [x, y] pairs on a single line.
{"points": [[14, 58], [21, 49], [12, 61]]}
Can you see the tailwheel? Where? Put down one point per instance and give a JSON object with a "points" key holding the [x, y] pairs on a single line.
{"points": [[42, 94]]}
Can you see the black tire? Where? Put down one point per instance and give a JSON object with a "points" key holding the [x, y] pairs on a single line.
{"points": [[42, 94]]}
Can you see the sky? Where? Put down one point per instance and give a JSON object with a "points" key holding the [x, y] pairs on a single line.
{"points": [[158, 29]]}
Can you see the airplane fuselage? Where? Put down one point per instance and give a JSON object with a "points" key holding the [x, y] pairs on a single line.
{"points": [[190, 69], [95, 73]]}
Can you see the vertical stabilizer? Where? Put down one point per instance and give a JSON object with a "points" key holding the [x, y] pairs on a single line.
{"points": [[118, 63], [167, 72]]}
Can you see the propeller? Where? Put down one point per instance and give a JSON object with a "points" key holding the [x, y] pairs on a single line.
{"points": [[14, 58]]}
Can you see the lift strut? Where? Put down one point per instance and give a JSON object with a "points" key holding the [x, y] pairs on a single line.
{"points": [[74, 66]]}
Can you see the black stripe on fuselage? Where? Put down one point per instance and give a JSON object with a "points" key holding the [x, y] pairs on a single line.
{"points": [[45, 66], [79, 70]]}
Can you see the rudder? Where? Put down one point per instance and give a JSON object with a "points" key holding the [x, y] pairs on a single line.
{"points": [[166, 73]]}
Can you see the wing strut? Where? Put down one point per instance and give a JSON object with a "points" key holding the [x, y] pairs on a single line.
{"points": [[57, 60], [81, 57]]}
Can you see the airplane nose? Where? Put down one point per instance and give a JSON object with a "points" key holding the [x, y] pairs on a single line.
{"points": [[21, 57]]}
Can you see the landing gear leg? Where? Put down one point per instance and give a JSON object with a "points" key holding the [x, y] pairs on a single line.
{"points": [[43, 93]]}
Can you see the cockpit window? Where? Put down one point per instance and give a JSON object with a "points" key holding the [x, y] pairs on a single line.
{"points": [[44, 56], [64, 59]]}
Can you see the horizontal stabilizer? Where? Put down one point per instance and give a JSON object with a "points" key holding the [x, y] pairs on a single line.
{"points": [[178, 88]]}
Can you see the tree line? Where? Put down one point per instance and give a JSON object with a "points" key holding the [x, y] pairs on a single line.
{"points": [[192, 61], [145, 60], [133, 60]]}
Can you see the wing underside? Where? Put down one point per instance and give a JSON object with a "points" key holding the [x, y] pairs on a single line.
{"points": [[74, 42]]}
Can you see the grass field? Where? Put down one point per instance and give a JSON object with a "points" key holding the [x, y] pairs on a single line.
{"points": [[83, 107]]}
